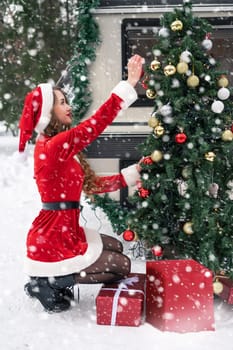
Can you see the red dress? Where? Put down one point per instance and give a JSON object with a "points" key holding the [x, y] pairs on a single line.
{"points": [[56, 244]]}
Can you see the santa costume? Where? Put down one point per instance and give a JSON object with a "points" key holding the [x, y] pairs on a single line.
{"points": [[56, 243]]}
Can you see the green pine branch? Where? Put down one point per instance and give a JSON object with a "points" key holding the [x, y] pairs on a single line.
{"points": [[84, 54], [114, 211]]}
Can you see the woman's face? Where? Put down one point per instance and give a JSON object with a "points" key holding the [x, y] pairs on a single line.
{"points": [[62, 109]]}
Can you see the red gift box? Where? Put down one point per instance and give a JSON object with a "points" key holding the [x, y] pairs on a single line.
{"points": [[227, 291], [179, 296], [122, 303]]}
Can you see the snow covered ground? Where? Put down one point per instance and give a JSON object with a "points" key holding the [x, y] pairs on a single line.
{"points": [[24, 324]]}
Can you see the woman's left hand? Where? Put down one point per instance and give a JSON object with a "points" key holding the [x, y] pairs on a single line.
{"points": [[135, 69]]}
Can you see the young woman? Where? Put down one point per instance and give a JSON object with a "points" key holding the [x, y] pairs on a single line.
{"points": [[61, 253]]}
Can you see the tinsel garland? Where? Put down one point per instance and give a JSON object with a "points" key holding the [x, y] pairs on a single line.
{"points": [[84, 53]]}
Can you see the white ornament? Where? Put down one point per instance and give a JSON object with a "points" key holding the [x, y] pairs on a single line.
{"points": [[175, 83], [182, 187], [217, 107], [223, 93], [156, 52], [212, 61], [213, 190], [164, 32], [166, 110], [218, 121], [207, 78], [230, 194], [207, 44], [230, 184], [168, 120], [185, 56]]}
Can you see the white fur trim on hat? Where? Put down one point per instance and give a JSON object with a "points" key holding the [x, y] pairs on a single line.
{"points": [[126, 92], [46, 108], [131, 175]]}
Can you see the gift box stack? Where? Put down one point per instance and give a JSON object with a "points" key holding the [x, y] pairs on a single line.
{"points": [[122, 303], [178, 295]]}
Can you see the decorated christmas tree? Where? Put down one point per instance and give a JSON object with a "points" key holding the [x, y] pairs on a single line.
{"points": [[184, 201]]}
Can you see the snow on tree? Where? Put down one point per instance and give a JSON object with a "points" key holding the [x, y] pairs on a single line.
{"points": [[36, 41]]}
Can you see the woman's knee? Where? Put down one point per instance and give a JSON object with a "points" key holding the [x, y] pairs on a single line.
{"points": [[111, 243], [111, 262], [117, 263]]}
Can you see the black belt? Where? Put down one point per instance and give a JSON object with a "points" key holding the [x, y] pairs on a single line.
{"points": [[60, 205]]}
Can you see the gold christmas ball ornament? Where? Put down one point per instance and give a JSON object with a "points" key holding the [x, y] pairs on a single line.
{"points": [[210, 156], [223, 81], [182, 67], [187, 228], [153, 122], [159, 130], [227, 135], [155, 64], [186, 172], [156, 156], [169, 70], [176, 26], [193, 81], [217, 287], [151, 94]]}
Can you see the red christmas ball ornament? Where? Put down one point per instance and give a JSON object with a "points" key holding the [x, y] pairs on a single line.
{"points": [[143, 192], [148, 160], [144, 83], [181, 138], [157, 250], [129, 235]]}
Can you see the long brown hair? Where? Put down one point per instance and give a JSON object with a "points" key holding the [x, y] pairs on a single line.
{"points": [[53, 129]]}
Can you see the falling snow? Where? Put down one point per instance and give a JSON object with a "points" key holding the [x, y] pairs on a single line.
{"points": [[24, 325]]}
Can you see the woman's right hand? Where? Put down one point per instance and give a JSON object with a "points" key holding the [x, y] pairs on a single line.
{"points": [[135, 69]]}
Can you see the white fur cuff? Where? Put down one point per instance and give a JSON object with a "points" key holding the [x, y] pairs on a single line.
{"points": [[126, 92], [131, 175]]}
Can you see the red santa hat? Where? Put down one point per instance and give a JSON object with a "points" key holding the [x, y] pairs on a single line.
{"points": [[36, 113]]}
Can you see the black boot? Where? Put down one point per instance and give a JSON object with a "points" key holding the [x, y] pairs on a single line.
{"points": [[68, 293], [65, 284], [49, 294]]}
